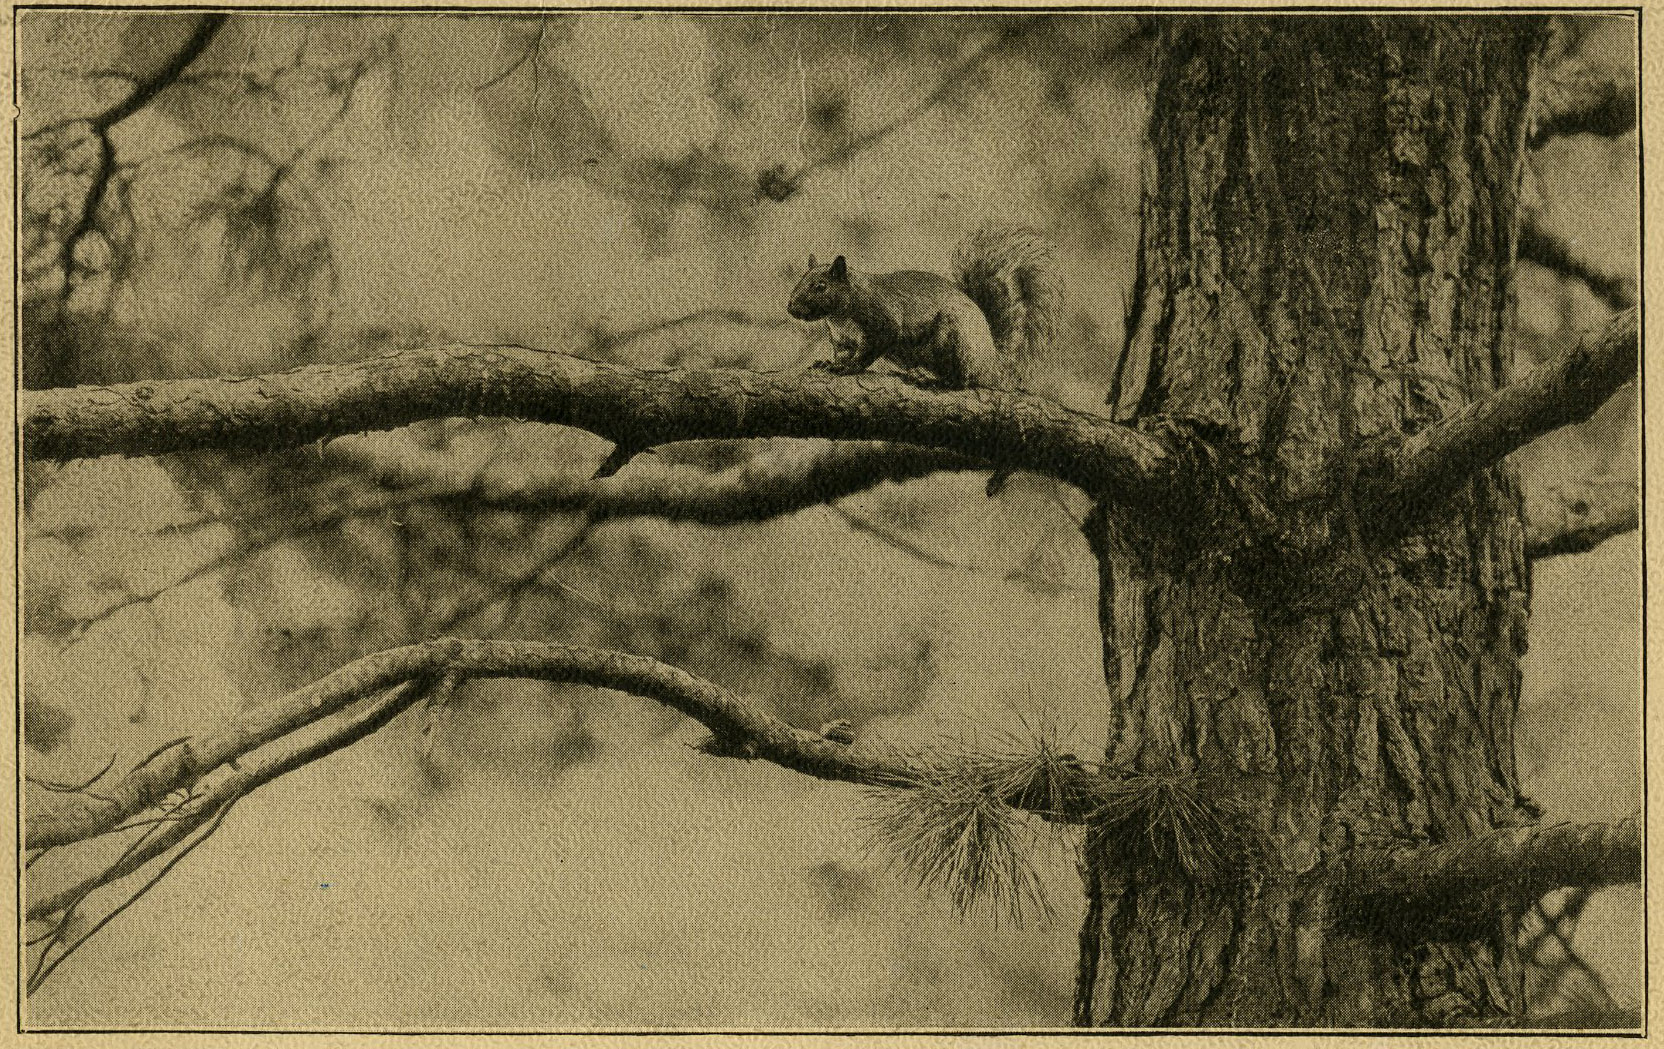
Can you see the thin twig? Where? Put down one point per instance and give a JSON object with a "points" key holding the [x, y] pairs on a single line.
{"points": [[351, 727], [781, 186], [41, 974], [73, 788]]}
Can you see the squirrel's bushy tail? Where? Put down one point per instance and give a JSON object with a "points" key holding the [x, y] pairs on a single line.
{"points": [[1009, 272]]}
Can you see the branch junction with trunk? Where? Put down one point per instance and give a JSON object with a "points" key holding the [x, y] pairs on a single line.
{"points": [[1128, 466]]}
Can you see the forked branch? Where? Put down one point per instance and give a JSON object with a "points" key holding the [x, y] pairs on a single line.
{"points": [[340, 731], [202, 34], [745, 729]]}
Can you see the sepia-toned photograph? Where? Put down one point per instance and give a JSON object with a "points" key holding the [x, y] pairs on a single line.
{"points": [[560, 521]]}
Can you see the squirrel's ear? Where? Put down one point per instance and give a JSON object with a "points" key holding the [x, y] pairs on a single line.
{"points": [[811, 262], [839, 270]]}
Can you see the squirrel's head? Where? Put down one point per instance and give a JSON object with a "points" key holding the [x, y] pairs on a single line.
{"points": [[823, 291]]}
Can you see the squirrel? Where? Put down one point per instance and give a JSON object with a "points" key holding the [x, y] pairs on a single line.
{"points": [[986, 327]]}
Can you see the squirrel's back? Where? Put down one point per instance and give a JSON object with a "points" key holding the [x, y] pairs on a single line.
{"points": [[918, 303]]}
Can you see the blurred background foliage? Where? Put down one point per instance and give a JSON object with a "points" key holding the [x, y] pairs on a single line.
{"points": [[641, 188]]}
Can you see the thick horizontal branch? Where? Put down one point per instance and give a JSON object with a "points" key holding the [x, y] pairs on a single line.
{"points": [[1581, 518], [1413, 479], [635, 407], [745, 730], [1446, 880]]}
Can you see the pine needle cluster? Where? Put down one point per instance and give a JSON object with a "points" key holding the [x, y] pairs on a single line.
{"points": [[974, 819], [961, 828], [1179, 823], [952, 836]]}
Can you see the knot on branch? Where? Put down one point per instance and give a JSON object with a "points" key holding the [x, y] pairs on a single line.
{"points": [[1211, 501]]}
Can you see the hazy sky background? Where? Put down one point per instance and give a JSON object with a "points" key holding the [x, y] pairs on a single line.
{"points": [[564, 858]]}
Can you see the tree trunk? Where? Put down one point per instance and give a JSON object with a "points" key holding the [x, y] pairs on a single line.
{"points": [[1330, 226]]}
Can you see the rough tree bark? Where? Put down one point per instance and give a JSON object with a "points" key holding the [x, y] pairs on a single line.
{"points": [[1330, 236]]}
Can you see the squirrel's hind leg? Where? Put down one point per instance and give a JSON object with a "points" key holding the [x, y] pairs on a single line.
{"points": [[947, 352], [946, 344]]}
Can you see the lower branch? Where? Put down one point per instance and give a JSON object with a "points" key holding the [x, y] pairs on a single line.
{"points": [[1447, 881], [1537, 245], [1583, 517], [748, 731]]}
